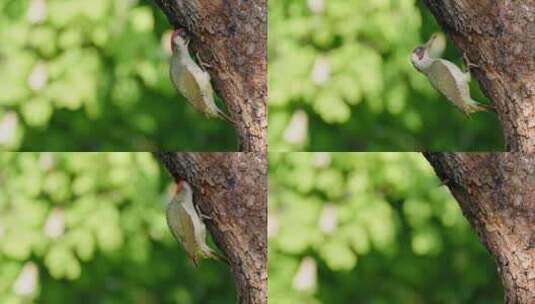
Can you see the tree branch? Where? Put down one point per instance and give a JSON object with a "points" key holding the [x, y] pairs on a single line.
{"points": [[231, 188], [497, 195], [231, 36], [498, 36]]}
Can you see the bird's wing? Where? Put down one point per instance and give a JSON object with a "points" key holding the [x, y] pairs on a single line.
{"points": [[175, 68], [194, 226], [444, 81], [204, 93], [197, 223], [189, 86], [181, 227]]}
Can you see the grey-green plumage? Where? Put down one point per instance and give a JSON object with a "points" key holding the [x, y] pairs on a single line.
{"points": [[190, 79], [187, 226], [446, 77], [192, 82]]}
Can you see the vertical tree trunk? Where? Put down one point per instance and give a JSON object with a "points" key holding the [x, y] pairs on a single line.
{"points": [[231, 189], [497, 191], [231, 36], [498, 36], [497, 194]]}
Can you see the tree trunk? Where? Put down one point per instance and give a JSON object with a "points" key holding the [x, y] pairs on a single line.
{"points": [[231, 189], [499, 37], [231, 37], [496, 192]]}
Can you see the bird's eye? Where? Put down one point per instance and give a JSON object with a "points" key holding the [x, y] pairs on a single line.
{"points": [[182, 33], [419, 51]]}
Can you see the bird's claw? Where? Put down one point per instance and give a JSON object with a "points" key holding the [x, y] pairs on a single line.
{"points": [[201, 62], [468, 63], [202, 215]]}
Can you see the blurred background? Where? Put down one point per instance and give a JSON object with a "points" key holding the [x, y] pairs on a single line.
{"points": [[92, 76], [370, 228], [340, 79], [90, 228]]}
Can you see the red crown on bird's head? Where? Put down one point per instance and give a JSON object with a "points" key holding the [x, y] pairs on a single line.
{"points": [[178, 32], [179, 185]]}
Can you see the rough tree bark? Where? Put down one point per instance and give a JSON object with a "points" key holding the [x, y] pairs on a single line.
{"points": [[231, 36], [496, 192], [498, 36], [231, 188]]}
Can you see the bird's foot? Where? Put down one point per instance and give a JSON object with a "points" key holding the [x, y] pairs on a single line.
{"points": [[203, 64], [468, 63], [202, 215]]}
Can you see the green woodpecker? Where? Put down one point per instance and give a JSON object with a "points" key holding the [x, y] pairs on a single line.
{"points": [[190, 79], [187, 226], [445, 76]]}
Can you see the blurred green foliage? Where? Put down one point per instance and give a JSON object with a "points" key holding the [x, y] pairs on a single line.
{"points": [[370, 228], [93, 75], [93, 226], [340, 79]]}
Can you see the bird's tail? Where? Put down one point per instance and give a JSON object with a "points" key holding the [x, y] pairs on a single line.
{"points": [[217, 256], [475, 106], [225, 116]]}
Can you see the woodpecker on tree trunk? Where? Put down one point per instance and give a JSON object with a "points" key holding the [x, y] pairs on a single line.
{"points": [[189, 79], [445, 76], [187, 226]]}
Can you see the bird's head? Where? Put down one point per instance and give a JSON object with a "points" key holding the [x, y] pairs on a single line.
{"points": [[419, 57], [183, 188], [179, 39]]}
